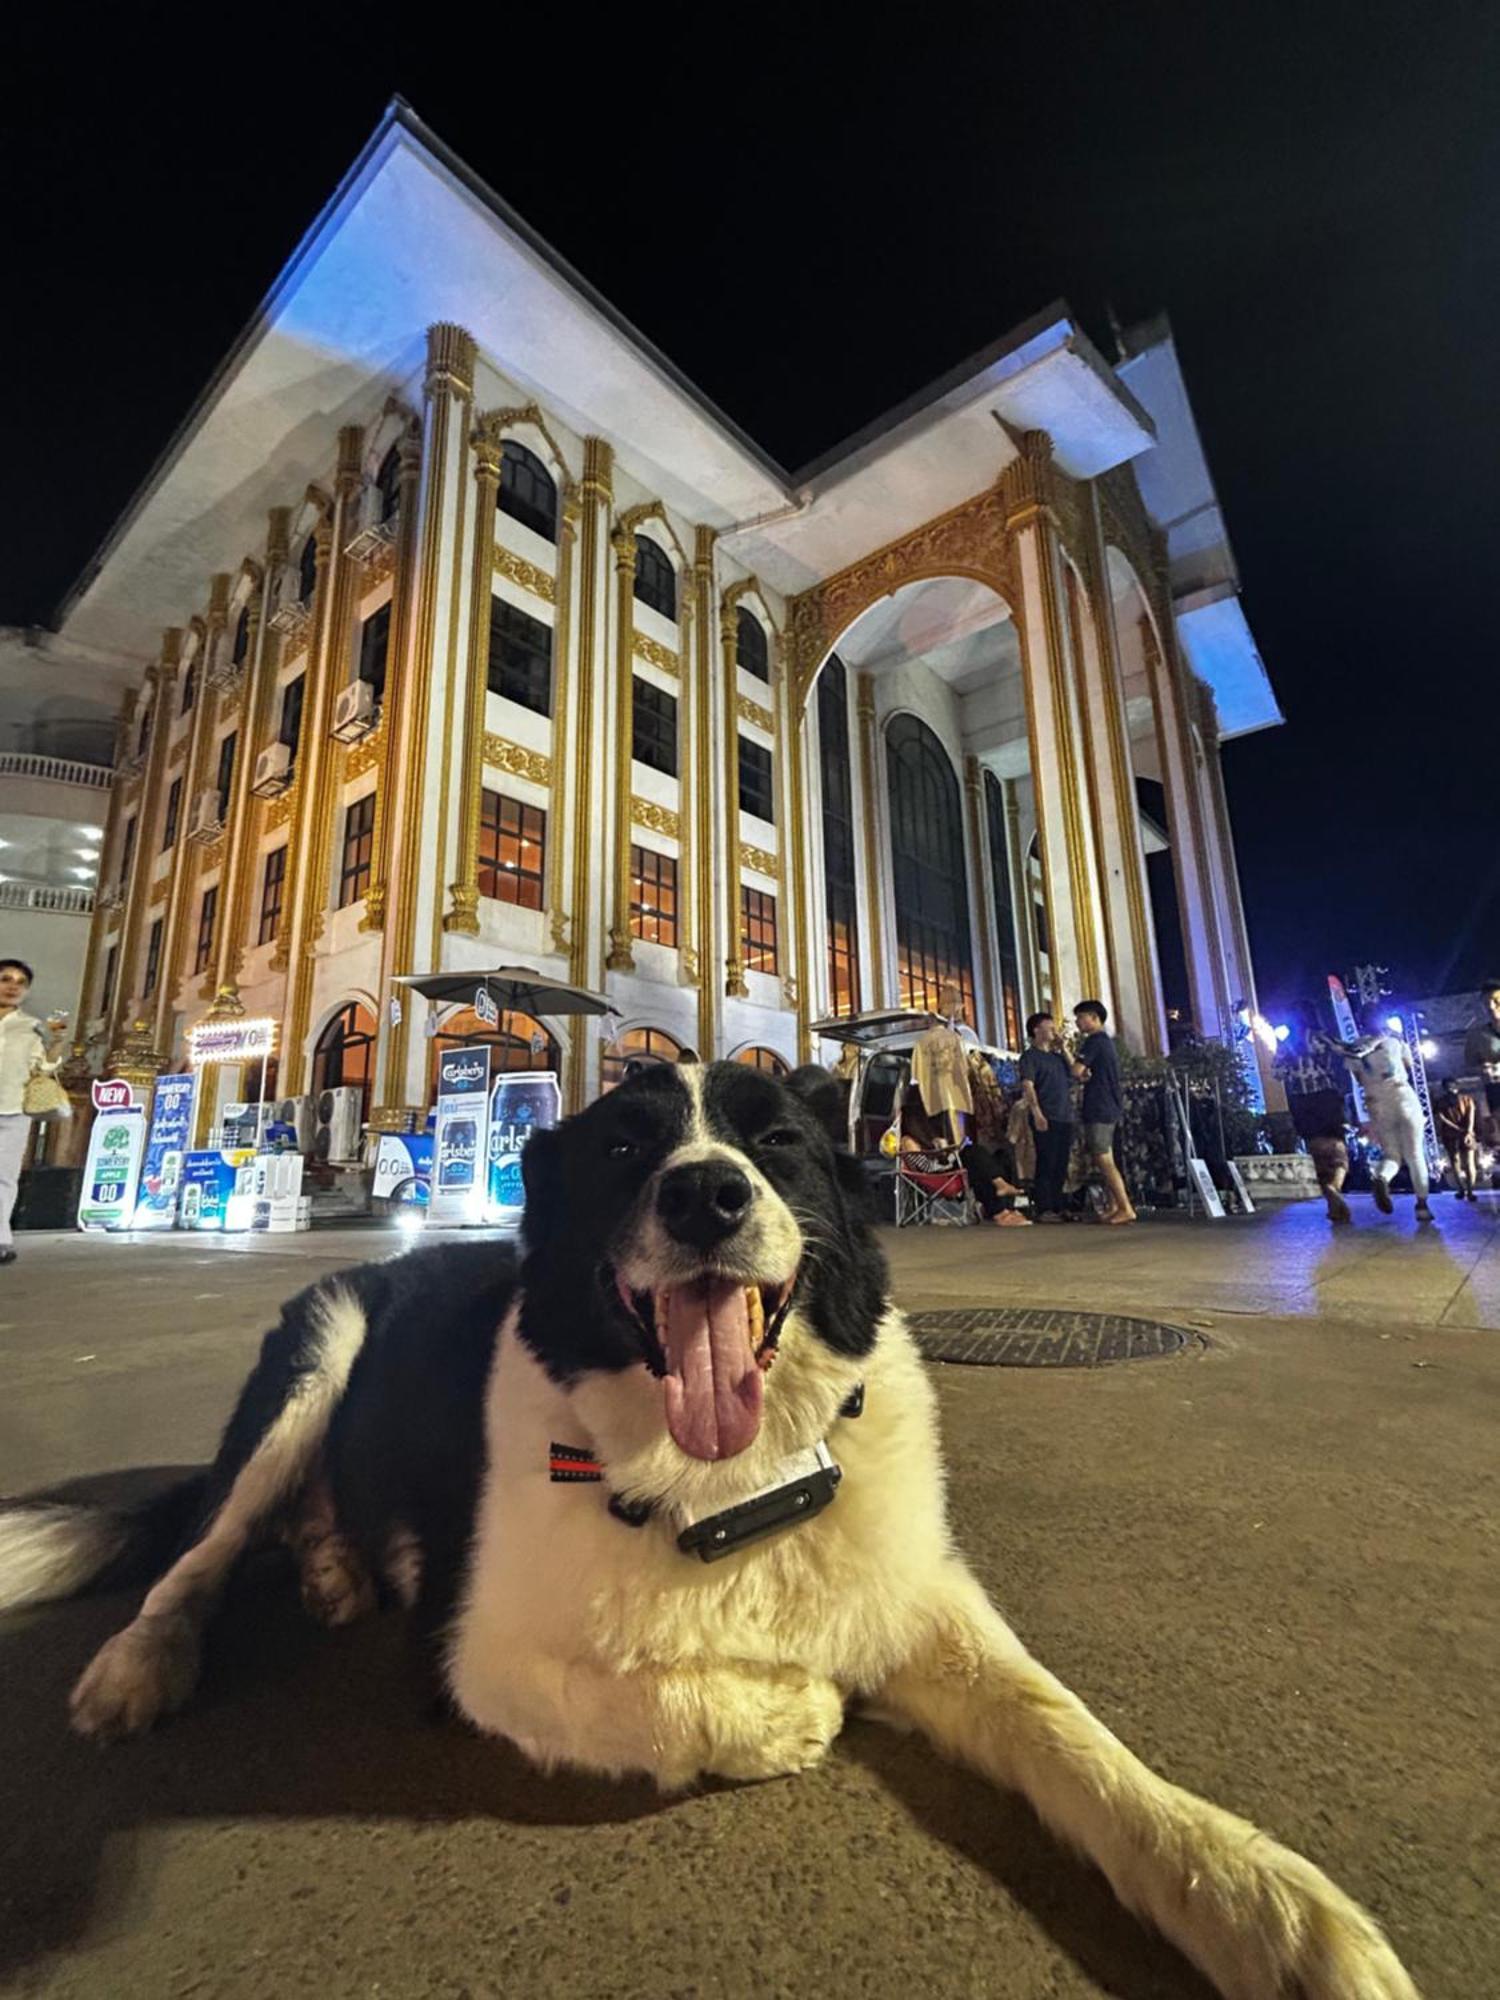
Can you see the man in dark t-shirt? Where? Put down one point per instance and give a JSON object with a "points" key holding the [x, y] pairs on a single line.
{"points": [[1047, 1084], [1103, 1105]]}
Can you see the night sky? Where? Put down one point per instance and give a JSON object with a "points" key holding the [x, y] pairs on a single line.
{"points": [[813, 218]]}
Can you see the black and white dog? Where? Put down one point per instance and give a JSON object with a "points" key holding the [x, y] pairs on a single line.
{"points": [[667, 1495]]}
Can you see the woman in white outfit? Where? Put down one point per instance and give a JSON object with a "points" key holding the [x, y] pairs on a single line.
{"points": [[23, 1049], [1382, 1062]]}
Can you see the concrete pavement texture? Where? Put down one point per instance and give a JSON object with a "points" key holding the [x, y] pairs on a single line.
{"points": [[1267, 1562]]}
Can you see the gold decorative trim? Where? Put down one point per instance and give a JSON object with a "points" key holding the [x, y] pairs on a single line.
{"points": [[660, 819], [751, 711], [494, 424], [864, 704], [500, 754], [280, 810], [159, 890], [525, 575], [366, 755], [179, 752], [759, 859], [212, 856], [379, 564], [656, 655], [556, 885]]}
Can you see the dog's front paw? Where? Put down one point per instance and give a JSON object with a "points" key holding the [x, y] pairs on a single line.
{"points": [[779, 1726], [141, 1673]]}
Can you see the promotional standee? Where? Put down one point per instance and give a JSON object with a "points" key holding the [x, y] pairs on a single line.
{"points": [[523, 1102], [403, 1169], [460, 1143], [167, 1144], [114, 1158]]}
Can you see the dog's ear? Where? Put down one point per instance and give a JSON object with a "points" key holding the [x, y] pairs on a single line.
{"points": [[823, 1096], [544, 1178]]}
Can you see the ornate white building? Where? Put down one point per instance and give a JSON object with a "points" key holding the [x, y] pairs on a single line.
{"points": [[469, 633]]}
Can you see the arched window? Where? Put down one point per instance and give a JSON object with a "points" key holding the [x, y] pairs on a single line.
{"points": [[655, 578], [528, 492], [241, 644], [927, 858], [345, 1053], [637, 1045], [307, 569], [388, 486], [763, 1059], [518, 1042], [1005, 916], [751, 652]]}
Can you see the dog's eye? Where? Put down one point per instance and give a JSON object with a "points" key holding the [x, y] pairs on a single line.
{"points": [[623, 1149], [780, 1135]]}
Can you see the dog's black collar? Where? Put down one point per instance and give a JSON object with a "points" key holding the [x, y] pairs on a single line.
{"points": [[575, 1467]]}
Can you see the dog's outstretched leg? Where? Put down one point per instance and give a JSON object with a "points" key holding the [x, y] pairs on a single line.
{"points": [[152, 1666], [1259, 1920]]}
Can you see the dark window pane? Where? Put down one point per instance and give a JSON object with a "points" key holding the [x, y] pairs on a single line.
{"points": [[512, 850], [111, 966], [374, 648], [127, 850], [751, 650], [1005, 917], [241, 638], [153, 960], [655, 578], [359, 844], [388, 485], [189, 687], [654, 727], [839, 880], [528, 492], [272, 883], [757, 794], [226, 772], [520, 666], [307, 570], [927, 853], [758, 929], [291, 714], [174, 808], [207, 911]]}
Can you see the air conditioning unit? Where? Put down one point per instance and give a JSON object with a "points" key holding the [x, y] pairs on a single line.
{"points": [[273, 771], [291, 618], [336, 1139], [369, 542], [301, 1113], [354, 712], [204, 822]]}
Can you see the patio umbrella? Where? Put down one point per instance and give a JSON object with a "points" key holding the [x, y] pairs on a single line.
{"points": [[512, 988]]}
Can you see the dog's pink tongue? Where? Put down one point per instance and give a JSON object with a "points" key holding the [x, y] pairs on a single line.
{"points": [[713, 1387]]}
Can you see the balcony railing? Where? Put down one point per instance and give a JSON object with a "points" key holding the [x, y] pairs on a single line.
{"points": [[62, 770], [66, 902]]}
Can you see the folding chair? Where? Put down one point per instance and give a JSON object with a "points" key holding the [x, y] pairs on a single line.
{"points": [[932, 1187]]}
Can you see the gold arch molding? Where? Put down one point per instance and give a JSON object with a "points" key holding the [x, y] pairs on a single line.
{"points": [[969, 541]]}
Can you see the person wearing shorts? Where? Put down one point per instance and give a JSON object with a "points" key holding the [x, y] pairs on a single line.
{"points": [[1382, 1063], [1454, 1111], [1096, 1063]]}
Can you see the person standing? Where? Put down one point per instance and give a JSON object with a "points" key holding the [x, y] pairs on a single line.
{"points": [[1455, 1113], [1482, 1049], [1096, 1062], [1382, 1062], [23, 1050], [1047, 1086]]}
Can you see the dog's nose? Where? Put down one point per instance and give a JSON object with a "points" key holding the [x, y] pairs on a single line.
{"points": [[703, 1203]]}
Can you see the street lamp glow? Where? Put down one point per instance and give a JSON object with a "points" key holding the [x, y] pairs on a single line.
{"points": [[1282, 1031], [1393, 1023], [1429, 1049]]}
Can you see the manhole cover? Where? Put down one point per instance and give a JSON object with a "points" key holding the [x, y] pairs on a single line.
{"points": [[1027, 1337]]}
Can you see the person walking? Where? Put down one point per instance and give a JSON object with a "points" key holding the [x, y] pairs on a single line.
{"points": [[23, 1051], [1455, 1113], [1047, 1086], [1482, 1050], [1097, 1064], [1382, 1062]]}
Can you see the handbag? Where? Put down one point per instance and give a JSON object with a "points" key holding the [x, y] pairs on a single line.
{"points": [[44, 1098]]}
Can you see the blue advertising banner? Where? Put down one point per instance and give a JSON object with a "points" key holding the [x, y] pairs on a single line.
{"points": [[461, 1141], [524, 1101], [167, 1141]]}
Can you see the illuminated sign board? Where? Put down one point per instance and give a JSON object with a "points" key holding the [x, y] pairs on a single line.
{"points": [[231, 1041]]}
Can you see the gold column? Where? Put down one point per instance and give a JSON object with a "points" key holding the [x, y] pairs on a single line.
{"points": [[162, 678], [464, 915], [984, 895], [621, 954], [99, 923], [321, 758], [300, 793], [734, 962], [242, 833], [792, 842], [448, 391], [185, 856], [705, 902], [557, 810], [391, 705], [595, 498], [1022, 915], [1031, 525], [874, 900]]}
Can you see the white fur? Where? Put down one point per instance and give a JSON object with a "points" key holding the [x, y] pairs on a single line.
{"points": [[51, 1552], [619, 1654], [152, 1665]]}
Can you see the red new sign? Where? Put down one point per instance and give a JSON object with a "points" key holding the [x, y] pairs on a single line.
{"points": [[113, 1095]]}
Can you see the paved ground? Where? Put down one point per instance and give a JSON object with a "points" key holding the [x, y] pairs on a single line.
{"points": [[1269, 1563]]}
